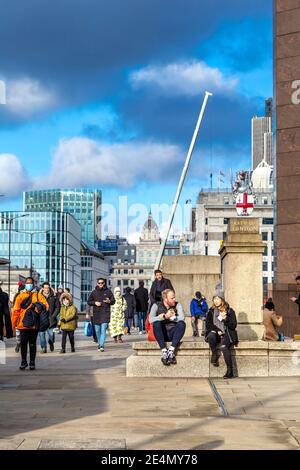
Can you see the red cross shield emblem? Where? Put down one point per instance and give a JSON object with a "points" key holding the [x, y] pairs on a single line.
{"points": [[244, 204]]}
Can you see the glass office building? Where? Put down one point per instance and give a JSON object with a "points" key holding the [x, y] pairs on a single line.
{"points": [[48, 242], [84, 204]]}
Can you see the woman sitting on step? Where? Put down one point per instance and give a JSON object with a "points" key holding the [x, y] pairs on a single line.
{"points": [[221, 326]]}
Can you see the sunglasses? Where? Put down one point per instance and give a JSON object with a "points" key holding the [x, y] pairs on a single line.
{"points": [[101, 283]]}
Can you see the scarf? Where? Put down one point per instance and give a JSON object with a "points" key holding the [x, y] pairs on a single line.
{"points": [[219, 324]]}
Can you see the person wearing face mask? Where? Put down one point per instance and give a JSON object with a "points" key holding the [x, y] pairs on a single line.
{"points": [[221, 327], [117, 316], [28, 335], [67, 321]]}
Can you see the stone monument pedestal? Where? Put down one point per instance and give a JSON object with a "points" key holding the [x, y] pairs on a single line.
{"points": [[241, 255]]}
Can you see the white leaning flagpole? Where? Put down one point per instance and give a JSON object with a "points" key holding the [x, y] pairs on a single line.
{"points": [[181, 181]]}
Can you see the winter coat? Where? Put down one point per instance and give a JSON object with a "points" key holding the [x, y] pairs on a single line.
{"points": [[131, 305], [101, 314], [117, 317], [157, 288], [18, 311], [231, 336], [298, 303], [198, 307], [54, 307], [4, 303], [142, 298], [271, 322]]}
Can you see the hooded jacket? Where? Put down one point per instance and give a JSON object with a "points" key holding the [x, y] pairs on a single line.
{"points": [[101, 314], [198, 307], [68, 314], [230, 324], [18, 311]]}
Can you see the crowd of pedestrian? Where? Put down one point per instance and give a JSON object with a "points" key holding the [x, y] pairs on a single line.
{"points": [[43, 313]]}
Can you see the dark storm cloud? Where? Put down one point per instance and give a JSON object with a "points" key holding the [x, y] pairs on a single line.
{"points": [[84, 46]]}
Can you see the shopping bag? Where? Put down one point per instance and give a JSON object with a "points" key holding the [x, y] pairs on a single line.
{"points": [[88, 330]]}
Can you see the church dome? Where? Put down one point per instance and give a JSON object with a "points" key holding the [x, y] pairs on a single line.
{"points": [[262, 176], [150, 231]]}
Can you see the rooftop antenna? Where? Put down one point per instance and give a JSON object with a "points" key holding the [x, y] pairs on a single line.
{"points": [[181, 181]]}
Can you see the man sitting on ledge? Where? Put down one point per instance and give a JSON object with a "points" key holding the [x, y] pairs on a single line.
{"points": [[168, 322]]}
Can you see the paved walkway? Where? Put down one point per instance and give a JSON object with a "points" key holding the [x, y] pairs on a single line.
{"points": [[81, 399]]}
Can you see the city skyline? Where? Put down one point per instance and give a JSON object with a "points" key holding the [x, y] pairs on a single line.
{"points": [[113, 111]]}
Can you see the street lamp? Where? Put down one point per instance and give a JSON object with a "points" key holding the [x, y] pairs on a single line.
{"points": [[10, 221]]}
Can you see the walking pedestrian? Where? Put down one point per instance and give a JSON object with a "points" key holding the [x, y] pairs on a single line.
{"points": [[117, 316], [67, 321], [101, 300], [142, 300], [27, 300], [18, 336], [130, 310], [54, 309], [5, 316]]}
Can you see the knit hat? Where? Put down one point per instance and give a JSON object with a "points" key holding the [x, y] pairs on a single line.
{"points": [[219, 293]]}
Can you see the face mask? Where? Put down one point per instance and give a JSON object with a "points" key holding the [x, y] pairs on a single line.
{"points": [[29, 287]]}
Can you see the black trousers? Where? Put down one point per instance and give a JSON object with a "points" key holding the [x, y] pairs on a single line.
{"points": [[163, 334], [94, 331], [28, 337], [5, 319], [70, 334], [214, 340]]}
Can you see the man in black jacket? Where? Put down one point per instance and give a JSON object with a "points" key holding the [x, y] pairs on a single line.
{"points": [[54, 308], [5, 316], [130, 310], [142, 299], [159, 284], [101, 300]]}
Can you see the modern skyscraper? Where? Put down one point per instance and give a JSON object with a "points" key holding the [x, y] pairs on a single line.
{"points": [[269, 108], [84, 204], [47, 242], [261, 146]]}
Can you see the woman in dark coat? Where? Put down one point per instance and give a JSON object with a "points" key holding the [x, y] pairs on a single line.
{"points": [[130, 310], [221, 326]]}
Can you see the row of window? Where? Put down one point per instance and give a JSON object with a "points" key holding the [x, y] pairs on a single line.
{"points": [[264, 201]]}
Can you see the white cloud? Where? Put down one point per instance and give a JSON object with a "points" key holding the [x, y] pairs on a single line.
{"points": [[80, 161], [184, 78], [26, 97], [14, 178]]}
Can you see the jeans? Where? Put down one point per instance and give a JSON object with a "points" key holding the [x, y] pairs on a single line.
{"points": [[163, 334], [213, 340], [101, 333], [28, 337], [136, 320], [42, 336], [128, 324], [94, 330], [141, 320], [66, 333]]}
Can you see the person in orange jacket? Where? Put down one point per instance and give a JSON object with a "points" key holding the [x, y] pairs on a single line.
{"points": [[28, 335]]}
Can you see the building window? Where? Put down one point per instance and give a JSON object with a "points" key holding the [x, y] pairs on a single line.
{"points": [[226, 221], [265, 280], [206, 220], [126, 252], [265, 251], [268, 221], [272, 236], [141, 271], [119, 283], [265, 236], [265, 200], [125, 282], [132, 283], [132, 252], [265, 266], [226, 201], [125, 271], [206, 251]]}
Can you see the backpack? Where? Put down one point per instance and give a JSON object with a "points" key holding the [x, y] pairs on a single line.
{"points": [[44, 320]]}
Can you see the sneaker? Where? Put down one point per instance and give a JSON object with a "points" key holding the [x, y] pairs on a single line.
{"points": [[44, 350], [17, 348], [32, 366], [171, 357], [140, 333], [228, 375], [23, 366], [102, 349], [51, 345], [62, 351], [73, 350], [164, 358]]}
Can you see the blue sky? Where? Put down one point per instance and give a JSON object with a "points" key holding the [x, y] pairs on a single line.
{"points": [[106, 93]]}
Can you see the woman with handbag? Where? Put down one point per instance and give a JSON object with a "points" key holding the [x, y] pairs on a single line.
{"points": [[221, 326], [28, 331]]}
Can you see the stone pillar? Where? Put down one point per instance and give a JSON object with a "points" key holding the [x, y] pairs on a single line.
{"points": [[241, 255]]}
